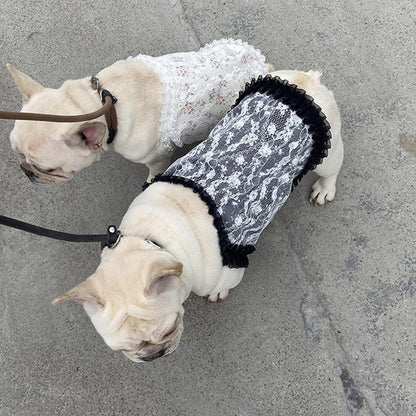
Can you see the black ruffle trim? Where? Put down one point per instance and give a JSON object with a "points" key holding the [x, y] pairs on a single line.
{"points": [[304, 106], [233, 255]]}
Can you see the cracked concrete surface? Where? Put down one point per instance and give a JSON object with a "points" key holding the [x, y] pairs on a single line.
{"points": [[323, 322]]}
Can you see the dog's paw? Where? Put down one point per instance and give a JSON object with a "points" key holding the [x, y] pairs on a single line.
{"points": [[322, 192], [216, 297]]}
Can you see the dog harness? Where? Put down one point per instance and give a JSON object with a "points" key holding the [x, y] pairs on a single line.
{"points": [[200, 87], [251, 160]]}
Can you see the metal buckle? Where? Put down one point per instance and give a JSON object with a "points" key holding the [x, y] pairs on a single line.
{"points": [[113, 236], [95, 82]]}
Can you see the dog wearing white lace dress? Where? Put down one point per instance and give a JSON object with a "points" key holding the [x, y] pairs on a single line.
{"points": [[162, 103]]}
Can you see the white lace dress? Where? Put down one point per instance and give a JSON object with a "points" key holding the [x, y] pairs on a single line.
{"points": [[200, 87]]}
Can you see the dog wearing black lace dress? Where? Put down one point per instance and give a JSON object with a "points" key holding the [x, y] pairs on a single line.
{"points": [[194, 226]]}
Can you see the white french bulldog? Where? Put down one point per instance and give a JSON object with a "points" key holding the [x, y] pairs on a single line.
{"points": [[162, 103], [171, 242]]}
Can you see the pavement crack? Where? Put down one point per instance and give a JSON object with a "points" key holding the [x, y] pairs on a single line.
{"points": [[320, 329], [180, 10], [354, 398]]}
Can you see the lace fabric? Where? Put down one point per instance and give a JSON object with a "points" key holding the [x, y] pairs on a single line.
{"points": [[251, 160], [200, 87]]}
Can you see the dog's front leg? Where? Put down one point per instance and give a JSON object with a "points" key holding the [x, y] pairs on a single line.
{"points": [[230, 278]]}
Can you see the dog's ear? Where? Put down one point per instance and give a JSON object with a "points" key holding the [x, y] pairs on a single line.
{"points": [[164, 272], [26, 85], [85, 293], [89, 135]]}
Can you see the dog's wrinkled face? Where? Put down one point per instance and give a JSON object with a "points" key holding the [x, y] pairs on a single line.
{"points": [[134, 299], [54, 152]]}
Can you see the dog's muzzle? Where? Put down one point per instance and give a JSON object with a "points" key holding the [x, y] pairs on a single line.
{"points": [[153, 356], [152, 352], [140, 357]]}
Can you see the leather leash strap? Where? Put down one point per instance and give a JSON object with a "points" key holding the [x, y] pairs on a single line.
{"points": [[107, 109]]}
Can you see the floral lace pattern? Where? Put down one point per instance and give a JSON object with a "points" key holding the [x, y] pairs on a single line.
{"points": [[248, 163], [200, 87]]}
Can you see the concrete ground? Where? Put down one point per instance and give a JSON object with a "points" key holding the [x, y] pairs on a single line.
{"points": [[324, 321]]}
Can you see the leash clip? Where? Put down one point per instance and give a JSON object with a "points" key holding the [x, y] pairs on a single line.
{"points": [[106, 93], [113, 237]]}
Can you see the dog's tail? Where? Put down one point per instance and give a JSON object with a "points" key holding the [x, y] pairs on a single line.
{"points": [[315, 75], [305, 80]]}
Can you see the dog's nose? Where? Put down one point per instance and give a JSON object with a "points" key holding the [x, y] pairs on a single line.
{"points": [[154, 355], [31, 175], [27, 171]]}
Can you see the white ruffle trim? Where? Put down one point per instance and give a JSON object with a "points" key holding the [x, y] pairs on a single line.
{"points": [[169, 112], [221, 42]]}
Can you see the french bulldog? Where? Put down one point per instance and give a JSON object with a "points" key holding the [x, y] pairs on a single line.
{"points": [[183, 235], [162, 103]]}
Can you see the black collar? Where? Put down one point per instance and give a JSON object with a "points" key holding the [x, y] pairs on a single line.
{"points": [[111, 115]]}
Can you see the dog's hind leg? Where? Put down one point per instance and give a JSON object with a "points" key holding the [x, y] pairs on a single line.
{"points": [[230, 278], [323, 190]]}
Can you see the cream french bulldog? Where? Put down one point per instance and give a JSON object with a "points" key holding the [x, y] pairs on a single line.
{"points": [[162, 103], [193, 227]]}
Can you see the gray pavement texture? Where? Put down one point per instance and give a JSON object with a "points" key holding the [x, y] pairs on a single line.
{"points": [[324, 320]]}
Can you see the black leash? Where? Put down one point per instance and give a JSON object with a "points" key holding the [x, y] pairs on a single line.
{"points": [[107, 240]]}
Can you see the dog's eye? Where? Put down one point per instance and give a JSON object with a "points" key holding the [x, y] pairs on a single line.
{"points": [[50, 170], [83, 136]]}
